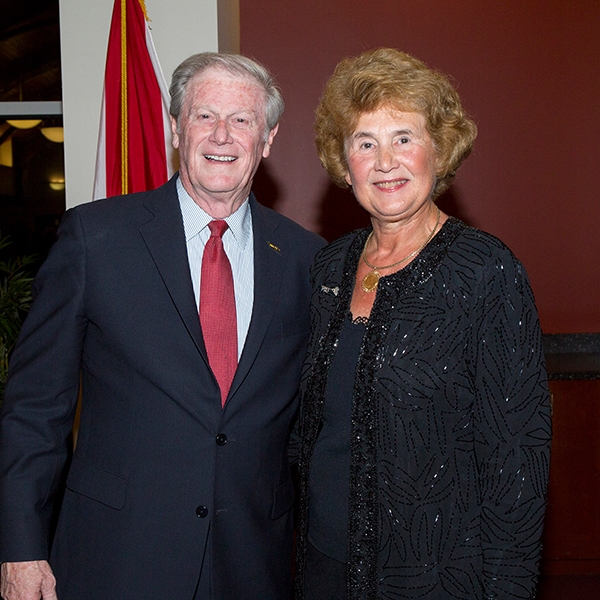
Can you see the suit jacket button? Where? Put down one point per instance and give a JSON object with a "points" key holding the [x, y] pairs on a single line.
{"points": [[202, 512], [221, 439]]}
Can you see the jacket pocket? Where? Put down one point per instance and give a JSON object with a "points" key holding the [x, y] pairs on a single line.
{"points": [[283, 500], [95, 483]]}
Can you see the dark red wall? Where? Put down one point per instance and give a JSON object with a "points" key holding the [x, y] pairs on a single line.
{"points": [[529, 74]]}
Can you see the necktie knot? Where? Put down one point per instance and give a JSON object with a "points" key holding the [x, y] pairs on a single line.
{"points": [[217, 228]]}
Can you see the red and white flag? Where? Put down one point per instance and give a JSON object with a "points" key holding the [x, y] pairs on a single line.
{"points": [[134, 145]]}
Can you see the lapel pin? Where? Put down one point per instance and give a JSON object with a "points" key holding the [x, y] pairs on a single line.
{"points": [[274, 247]]}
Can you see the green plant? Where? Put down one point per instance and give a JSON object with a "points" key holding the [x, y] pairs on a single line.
{"points": [[15, 299]]}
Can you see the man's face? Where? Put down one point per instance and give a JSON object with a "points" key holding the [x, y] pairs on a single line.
{"points": [[221, 139]]}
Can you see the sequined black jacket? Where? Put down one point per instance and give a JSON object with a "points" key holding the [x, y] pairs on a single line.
{"points": [[450, 424]]}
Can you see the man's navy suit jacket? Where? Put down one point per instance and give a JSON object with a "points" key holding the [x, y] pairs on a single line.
{"points": [[158, 463]]}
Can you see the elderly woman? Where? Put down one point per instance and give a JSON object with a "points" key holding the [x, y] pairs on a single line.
{"points": [[425, 421]]}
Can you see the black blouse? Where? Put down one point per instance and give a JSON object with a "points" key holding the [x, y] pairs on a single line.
{"points": [[330, 475]]}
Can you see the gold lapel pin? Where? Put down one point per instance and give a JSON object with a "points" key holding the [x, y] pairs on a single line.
{"points": [[274, 247]]}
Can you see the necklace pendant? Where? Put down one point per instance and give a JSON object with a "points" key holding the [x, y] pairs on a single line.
{"points": [[370, 281]]}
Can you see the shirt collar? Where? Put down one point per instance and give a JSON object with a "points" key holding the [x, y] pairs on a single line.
{"points": [[195, 219]]}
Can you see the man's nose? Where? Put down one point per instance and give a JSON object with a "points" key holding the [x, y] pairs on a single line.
{"points": [[220, 133]]}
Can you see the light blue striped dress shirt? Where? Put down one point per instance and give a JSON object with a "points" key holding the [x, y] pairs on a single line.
{"points": [[238, 243]]}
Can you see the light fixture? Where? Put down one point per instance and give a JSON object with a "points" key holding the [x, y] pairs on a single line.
{"points": [[54, 134], [24, 123], [6, 156], [57, 184]]}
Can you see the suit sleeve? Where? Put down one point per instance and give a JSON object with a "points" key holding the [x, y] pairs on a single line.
{"points": [[41, 398], [512, 435]]}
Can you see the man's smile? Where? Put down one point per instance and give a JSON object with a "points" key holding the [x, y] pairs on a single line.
{"points": [[219, 158]]}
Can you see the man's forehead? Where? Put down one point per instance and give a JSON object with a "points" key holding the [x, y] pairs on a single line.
{"points": [[217, 75]]}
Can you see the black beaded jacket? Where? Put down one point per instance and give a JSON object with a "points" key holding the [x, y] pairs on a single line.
{"points": [[450, 421]]}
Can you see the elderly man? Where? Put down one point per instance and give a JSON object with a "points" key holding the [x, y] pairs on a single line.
{"points": [[183, 312]]}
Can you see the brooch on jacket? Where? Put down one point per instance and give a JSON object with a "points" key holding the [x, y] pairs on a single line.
{"points": [[330, 290]]}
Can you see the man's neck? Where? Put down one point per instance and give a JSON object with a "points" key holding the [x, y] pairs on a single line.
{"points": [[219, 205]]}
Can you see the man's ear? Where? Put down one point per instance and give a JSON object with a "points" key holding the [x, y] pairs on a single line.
{"points": [[175, 139], [267, 149]]}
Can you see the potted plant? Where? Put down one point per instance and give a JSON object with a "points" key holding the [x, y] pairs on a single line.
{"points": [[15, 299]]}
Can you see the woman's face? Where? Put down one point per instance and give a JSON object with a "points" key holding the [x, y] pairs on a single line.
{"points": [[391, 164]]}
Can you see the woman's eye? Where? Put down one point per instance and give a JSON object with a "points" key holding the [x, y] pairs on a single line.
{"points": [[366, 145], [404, 140]]}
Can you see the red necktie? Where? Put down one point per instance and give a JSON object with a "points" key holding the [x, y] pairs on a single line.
{"points": [[217, 309]]}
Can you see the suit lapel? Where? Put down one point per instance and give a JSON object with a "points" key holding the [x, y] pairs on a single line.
{"points": [[165, 239], [270, 259]]}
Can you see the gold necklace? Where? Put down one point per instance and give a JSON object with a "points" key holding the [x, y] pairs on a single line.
{"points": [[371, 279]]}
